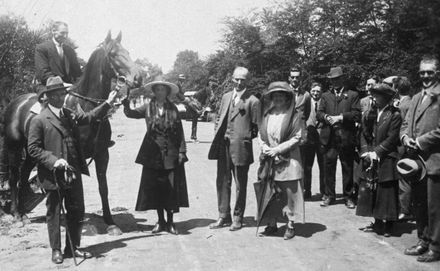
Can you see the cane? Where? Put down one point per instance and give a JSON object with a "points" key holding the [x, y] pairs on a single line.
{"points": [[63, 212]]}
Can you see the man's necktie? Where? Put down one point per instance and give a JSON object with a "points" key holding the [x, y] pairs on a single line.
{"points": [[316, 107], [233, 99], [60, 50]]}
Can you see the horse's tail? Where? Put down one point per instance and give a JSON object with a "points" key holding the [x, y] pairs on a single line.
{"points": [[4, 167]]}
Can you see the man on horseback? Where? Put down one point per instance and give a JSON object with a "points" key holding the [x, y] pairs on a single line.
{"points": [[53, 142], [55, 58]]}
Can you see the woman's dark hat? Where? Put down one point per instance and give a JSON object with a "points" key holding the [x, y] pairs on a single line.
{"points": [[412, 169], [383, 89], [52, 84], [279, 86], [159, 80]]}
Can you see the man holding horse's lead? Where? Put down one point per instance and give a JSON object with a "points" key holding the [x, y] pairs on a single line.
{"points": [[53, 142]]}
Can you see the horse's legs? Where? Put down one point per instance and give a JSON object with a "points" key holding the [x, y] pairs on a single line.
{"points": [[14, 177], [25, 172], [101, 164]]}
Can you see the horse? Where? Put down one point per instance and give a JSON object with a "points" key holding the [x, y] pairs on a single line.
{"points": [[109, 61]]}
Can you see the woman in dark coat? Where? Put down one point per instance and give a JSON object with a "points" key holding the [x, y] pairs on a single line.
{"points": [[379, 187], [162, 154]]}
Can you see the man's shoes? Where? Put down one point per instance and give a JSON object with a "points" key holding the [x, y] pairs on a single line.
{"points": [[111, 143], [307, 194], [269, 230], [290, 231], [236, 225], [349, 204], [416, 250], [405, 217], [431, 256], [78, 253], [159, 227], [172, 229], [220, 223], [57, 257], [327, 202], [324, 196]]}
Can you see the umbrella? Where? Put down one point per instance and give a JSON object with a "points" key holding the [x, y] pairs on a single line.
{"points": [[264, 188]]}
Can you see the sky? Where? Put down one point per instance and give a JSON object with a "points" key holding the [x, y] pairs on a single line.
{"points": [[154, 29]]}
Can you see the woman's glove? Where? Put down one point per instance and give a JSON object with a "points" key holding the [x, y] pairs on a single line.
{"points": [[182, 158]]}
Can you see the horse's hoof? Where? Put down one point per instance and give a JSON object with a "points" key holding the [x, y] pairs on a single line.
{"points": [[114, 230], [25, 219]]}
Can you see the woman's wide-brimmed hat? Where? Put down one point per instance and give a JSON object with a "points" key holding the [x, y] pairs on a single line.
{"points": [[412, 169], [159, 80], [52, 84], [383, 89], [279, 86]]}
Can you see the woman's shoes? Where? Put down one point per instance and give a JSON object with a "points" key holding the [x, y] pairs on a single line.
{"points": [[269, 230], [162, 226], [290, 231], [172, 228], [159, 227]]}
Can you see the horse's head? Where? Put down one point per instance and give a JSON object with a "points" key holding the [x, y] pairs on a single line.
{"points": [[120, 61]]}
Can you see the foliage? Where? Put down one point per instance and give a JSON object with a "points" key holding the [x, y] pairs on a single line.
{"points": [[365, 37]]}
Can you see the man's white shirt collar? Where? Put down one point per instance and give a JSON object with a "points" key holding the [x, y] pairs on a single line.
{"points": [[56, 111]]}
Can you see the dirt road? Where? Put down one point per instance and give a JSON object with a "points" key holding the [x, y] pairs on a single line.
{"points": [[330, 240]]}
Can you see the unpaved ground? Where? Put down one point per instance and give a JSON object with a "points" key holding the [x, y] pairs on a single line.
{"points": [[330, 240]]}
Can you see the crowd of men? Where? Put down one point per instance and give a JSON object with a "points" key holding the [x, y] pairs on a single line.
{"points": [[332, 119]]}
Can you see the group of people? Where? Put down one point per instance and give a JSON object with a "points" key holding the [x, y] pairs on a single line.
{"points": [[374, 140]]}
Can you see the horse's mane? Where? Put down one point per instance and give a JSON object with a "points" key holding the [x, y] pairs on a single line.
{"points": [[92, 71]]}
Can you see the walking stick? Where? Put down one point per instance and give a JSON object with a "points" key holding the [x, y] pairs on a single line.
{"points": [[63, 212]]}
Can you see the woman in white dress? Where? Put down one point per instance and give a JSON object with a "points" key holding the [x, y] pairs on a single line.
{"points": [[281, 132]]}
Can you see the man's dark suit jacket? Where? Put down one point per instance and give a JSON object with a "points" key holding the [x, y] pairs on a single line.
{"points": [[422, 122], [346, 104], [47, 141], [48, 63]]}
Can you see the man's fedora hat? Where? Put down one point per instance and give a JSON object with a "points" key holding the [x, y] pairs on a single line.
{"points": [[383, 89], [412, 170], [159, 80], [279, 86], [335, 72], [52, 84]]}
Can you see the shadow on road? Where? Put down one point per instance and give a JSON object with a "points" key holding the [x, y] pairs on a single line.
{"points": [[185, 227], [99, 250], [401, 228]]}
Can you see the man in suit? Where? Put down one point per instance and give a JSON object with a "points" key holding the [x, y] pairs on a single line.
{"points": [[339, 110], [235, 127], [302, 97], [55, 58], [204, 97], [53, 141], [313, 145], [403, 87], [420, 133], [366, 101]]}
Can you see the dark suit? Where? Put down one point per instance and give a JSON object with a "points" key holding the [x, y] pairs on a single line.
{"points": [[235, 127], [310, 148], [340, 139], [404, 186], [48, 63], [49, 139], [422, 122]]}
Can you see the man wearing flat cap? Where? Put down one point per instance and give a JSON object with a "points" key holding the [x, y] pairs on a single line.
{"points": [[339, 110], [53, 142], [420, 134], [235, 127]]}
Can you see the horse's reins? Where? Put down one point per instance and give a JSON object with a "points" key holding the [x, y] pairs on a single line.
{"points": [[121, 81]]}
